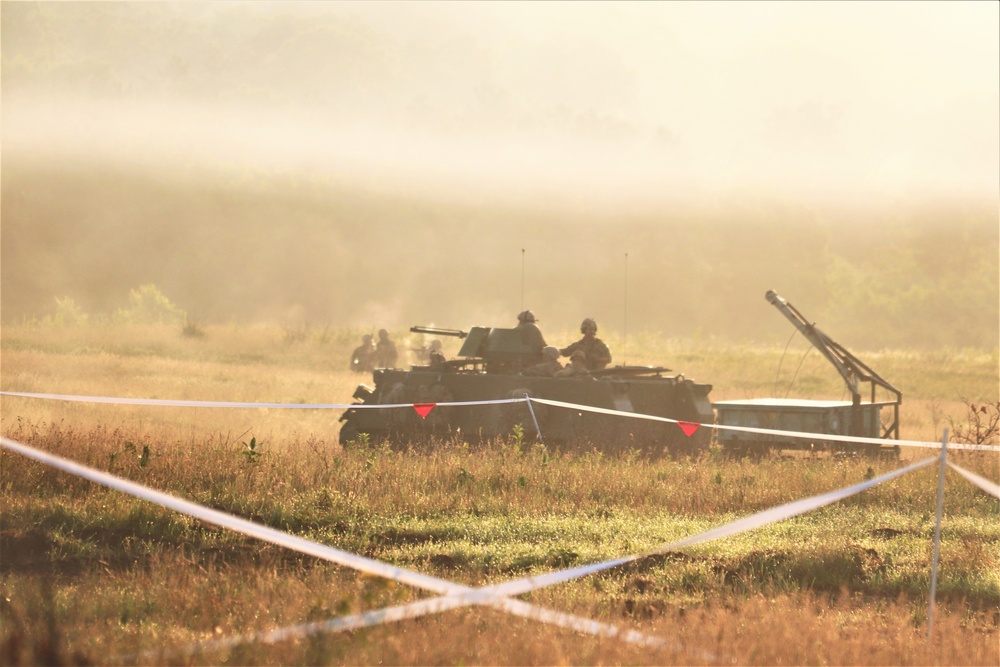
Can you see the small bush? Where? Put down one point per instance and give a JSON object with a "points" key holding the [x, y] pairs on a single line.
{"points": [[981, 425], [67, 313], [148, 305], [192, 330]]}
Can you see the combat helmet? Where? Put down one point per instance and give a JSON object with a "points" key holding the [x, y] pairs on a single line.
{"points": [[526, 316], [588, 325]]}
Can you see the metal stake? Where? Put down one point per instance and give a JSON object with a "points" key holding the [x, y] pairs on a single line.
{"points": [[534, 419], [937, 533]]}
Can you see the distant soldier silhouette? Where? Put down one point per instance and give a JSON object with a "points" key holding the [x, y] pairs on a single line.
{"points": [[363, 357], [385, 351]]}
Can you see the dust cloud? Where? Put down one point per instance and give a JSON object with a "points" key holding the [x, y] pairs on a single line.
{"points": [[657, 166]]}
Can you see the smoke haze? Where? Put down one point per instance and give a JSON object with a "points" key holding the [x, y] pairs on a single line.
{"points": [[390, 164]]}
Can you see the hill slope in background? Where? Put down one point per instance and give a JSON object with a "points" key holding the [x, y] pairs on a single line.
{"points": [[379, 164], [293, 250]]}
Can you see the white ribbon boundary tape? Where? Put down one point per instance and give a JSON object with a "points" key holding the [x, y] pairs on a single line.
{"points": [[455, 595], [560, 404], [528, 584], [321, 551], [765, 431], [175, 403], [983, 483]]}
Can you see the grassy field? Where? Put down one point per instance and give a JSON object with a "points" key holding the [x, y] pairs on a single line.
{"points": [[92, 576]]}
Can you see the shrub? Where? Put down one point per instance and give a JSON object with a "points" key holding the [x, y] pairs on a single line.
{"points": [[981, 426], [67, 312], [148, 305]]}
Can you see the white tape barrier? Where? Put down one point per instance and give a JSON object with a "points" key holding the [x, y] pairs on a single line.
{"points": [[456, 595], [231, 522], [983, 483], [417, 610], [324, 552], [765, 431], [759, 520], [424, 408], [528, 584], [172, 403]]}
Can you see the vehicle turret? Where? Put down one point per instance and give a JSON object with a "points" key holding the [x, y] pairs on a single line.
{"points": [[491, 349]]}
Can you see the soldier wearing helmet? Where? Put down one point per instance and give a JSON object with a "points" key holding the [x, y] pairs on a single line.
{"points": [[598, 355], [577, 365], [385, 351], [532, 340], [363, 357], [434, 354], [550, 366]]}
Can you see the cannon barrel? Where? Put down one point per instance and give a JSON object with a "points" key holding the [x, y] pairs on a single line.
{"points": [[439, 332]]}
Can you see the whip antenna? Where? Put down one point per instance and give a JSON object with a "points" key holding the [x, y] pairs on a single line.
{"points": [[522, 279], [625, 334]]}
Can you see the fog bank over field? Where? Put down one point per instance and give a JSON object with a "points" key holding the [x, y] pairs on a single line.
{"points": [[388, 164], [586, 100]]}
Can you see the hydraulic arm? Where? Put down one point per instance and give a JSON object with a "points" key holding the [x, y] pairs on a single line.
{"points": [[853, 370]]}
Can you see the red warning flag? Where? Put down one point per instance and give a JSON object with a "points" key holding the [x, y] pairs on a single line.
{"points": [[423, 409], [688, 427]]}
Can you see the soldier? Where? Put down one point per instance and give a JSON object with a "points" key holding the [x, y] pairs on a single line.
{"points": [[434, 355], [531, 337], [385, 351], [577, 366], [598, 354], [550, 366], [363, 357]]}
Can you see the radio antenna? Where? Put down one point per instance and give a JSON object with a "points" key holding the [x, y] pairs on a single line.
{"points": [[522, 279], [625, 335]]}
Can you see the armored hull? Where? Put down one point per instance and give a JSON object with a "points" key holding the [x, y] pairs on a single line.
{"points": [[640, 390]]}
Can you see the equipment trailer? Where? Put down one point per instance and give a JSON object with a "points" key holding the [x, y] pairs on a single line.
{"points": [[855, 418]]}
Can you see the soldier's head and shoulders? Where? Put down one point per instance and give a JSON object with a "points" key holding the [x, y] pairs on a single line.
{"points": [[576, 367], [549, 367]]}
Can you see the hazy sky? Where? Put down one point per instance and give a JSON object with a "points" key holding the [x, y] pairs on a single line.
{"points": [[245, 129], [890, 96], [671, 98]]}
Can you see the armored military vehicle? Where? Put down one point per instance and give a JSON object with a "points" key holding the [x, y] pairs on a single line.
{"points": [[490, 365]]}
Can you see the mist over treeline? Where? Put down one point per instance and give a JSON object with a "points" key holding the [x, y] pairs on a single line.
{"points": [[656, 166], [638, 100], [298, 252]]}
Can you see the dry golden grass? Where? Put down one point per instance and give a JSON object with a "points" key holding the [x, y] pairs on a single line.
{"points": [[89, 575], [783, 629]]}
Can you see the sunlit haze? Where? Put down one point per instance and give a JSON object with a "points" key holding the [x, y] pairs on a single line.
{"points": [[796, 98], [609, 109]]}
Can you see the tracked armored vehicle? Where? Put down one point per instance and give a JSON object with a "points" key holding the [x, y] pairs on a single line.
{"points": [[490, 366]]}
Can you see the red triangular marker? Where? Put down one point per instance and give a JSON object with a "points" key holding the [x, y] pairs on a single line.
{"points": [[688, 427], [423, 409]]}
